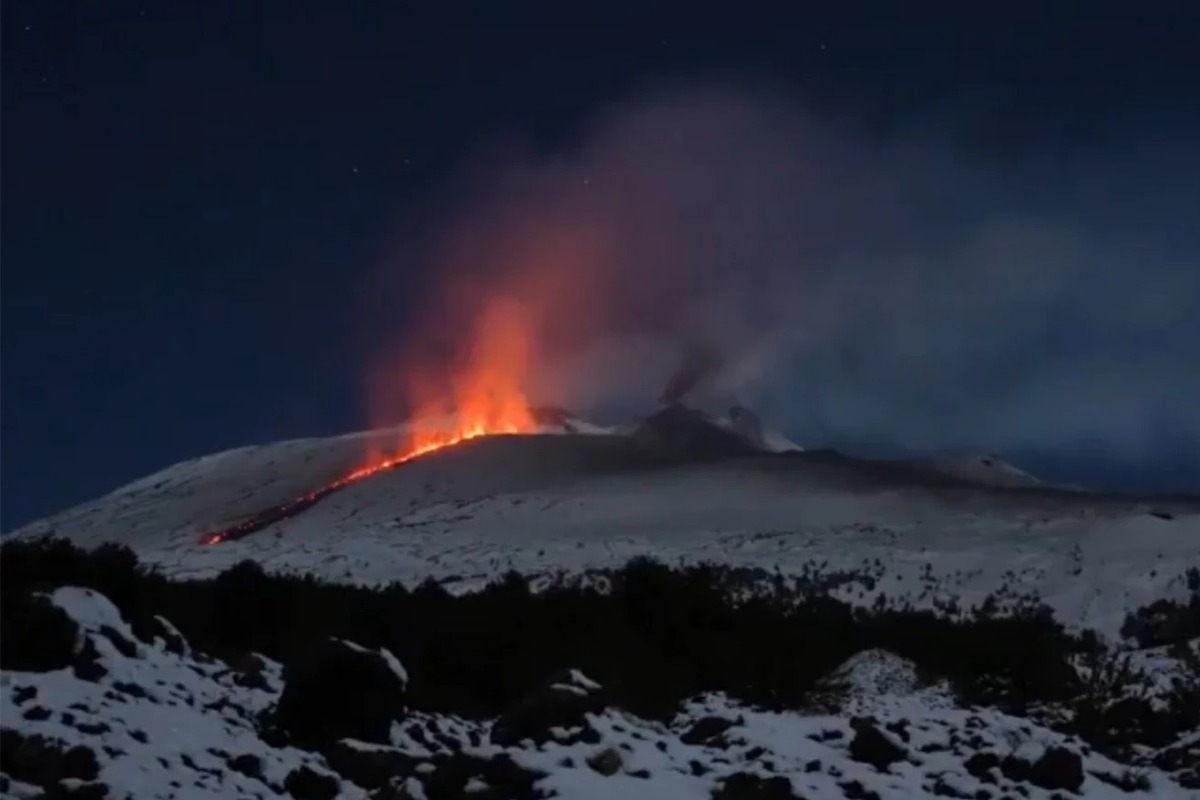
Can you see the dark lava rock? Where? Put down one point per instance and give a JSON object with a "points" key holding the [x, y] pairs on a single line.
{"points": [[43, 761], [744, 786], [86, 664], [506, 780], [980, 764], [37, 714], [705, 730], [369, 767], [1058, 768], [79, 791], [564, 702], [131, 689], [23, 694], [872, 746], [37, 636], [248, 764], [338, 691], [247, 670], [607, 762], [397, 790], [305, 783], [854, 790], [157, 628]]}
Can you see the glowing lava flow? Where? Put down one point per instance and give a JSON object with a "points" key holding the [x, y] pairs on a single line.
{"points": [[427, 443], [485, 398]]}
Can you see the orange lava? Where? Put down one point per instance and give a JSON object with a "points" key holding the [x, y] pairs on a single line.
{"points": [[484, 398]]}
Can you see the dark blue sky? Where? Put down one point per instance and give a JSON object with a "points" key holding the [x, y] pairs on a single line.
{"points": [[193, 192]]}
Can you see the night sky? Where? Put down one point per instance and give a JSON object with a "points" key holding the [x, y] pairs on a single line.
{"points": [[197, 195]]}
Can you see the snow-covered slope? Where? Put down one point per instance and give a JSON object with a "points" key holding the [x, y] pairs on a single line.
{"points": [[989, 470], [552, 503], [152, 719]]}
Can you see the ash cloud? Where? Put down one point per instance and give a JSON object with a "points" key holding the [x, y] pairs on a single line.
{"points": [[859, 288]]}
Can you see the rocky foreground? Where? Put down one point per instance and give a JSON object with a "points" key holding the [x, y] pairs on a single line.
{"points": [[102, 711]]}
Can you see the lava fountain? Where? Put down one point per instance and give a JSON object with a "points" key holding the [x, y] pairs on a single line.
{"points": [[482, 399]]}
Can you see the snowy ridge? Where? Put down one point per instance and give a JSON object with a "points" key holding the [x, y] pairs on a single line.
{"points": [[553, 504], [149, 719]]}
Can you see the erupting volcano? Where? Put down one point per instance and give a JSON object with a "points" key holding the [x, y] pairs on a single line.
{"points": [[485, 398]]}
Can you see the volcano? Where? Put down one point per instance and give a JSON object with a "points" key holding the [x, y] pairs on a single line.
{"points": [[566, 502], [680, 484]]}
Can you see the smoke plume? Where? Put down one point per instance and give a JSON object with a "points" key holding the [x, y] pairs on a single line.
{"points": [[858, 287]]}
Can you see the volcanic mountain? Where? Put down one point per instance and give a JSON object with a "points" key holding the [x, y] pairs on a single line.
{"points": [[1051, 636], [681, 485]]}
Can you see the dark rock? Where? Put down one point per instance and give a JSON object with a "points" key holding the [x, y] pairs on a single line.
{"points": [[1058, 768], [37, 636], [705, 730], [305, 783], [606, 762], [1015, 769], [247, 764], [339, 691], [93, 728], [43, 761], [590, 735], [131, 689], [980, 764], [854, 790], [36, 714], [370, 768], [86, 664], [79, 791], [248, 671], [505, 778], [943, 789], [156, 628], [23, 694], [564, 702], [900, 728], [872, 746], [813, 766], [745, 786], [397, 790]]}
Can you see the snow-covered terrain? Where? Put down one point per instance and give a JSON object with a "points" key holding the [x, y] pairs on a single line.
{"points": [[152, 719], [548, 504], [107, 714]]}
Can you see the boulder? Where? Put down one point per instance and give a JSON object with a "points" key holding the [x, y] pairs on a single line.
{"points": [[305, 783], [563, 702], [43, 761], [1057, 768], [747, 786], [706, 730], [369, 766], [37, 636], [340, 690], [872, 746]]}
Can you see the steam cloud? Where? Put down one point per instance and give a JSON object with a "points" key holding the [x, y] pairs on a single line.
{"points": [[858, 288]]}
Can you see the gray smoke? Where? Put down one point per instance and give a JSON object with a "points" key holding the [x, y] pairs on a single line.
{"points": [[858, 287]]}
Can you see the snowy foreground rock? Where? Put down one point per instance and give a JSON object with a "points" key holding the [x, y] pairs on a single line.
{"points": [[99, 712]]}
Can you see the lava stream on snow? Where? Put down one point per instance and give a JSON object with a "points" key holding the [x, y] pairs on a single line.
{"points": [[426, 444], [484, 397]]}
